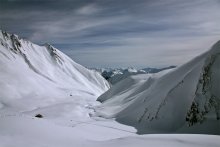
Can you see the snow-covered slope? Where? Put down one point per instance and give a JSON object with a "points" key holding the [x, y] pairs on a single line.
{"points": [[33, 76], [42, 80], [186, 99]]}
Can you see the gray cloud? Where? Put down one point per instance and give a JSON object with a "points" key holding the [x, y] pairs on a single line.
{"points": [[117, 32]]}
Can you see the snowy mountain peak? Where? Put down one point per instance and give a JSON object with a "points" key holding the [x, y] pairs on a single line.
{"points": [[54, 53], [11, 41], [130, 69], [7, 36], [29, 70]]}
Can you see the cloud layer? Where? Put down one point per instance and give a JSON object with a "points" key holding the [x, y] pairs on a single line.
{"points": [[115, 33]]}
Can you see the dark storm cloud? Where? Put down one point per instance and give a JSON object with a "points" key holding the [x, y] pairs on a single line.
{"points": [[117, 32]]}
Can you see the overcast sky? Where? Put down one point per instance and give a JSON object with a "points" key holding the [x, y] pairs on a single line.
{"points": [[117, 33]]}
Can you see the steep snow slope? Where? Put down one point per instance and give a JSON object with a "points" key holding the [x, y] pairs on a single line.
{"points": [[32, 76], [186, 99]]}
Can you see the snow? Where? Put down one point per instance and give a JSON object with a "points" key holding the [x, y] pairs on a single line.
{"points": [[184, 100], [36, 77], [20, 131], [42, 80]]}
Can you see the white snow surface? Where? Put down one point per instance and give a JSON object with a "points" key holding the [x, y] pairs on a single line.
{"points": [[184, 100], [36, 77], [20, 131], [42, 80]]}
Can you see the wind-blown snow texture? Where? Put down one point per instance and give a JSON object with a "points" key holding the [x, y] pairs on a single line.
{"points": [[186, 99]]}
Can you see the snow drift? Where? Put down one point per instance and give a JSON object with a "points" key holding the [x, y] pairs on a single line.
{"points": [[31, 74], [186, 99]]}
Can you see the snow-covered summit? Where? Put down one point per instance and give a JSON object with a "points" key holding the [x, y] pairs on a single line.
{"points": [[186, 99], [31, 71]]}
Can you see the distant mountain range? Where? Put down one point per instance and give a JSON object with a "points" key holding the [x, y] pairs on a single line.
{"points": [[114, 75]]}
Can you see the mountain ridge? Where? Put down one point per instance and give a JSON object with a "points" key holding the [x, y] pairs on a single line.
{"points": [[31, 72], [170, 102], [114, 75]]}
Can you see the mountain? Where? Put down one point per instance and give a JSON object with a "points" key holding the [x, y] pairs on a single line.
{"points": [[46, 99], [114, 75], [33, 76], [182, 100], [156, 70]]}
